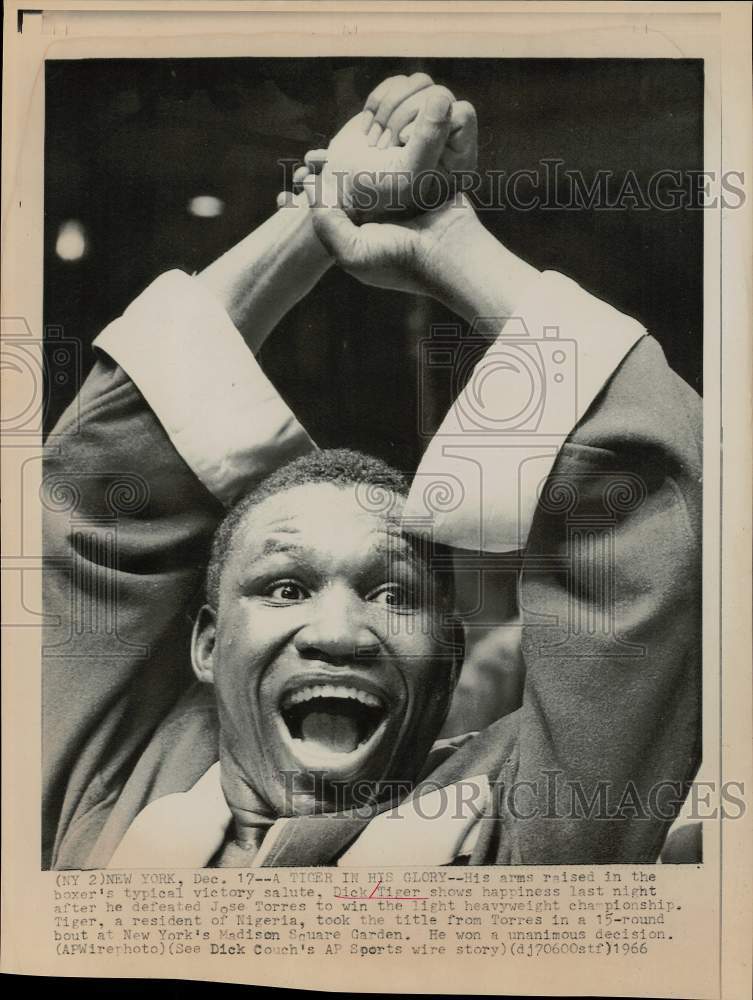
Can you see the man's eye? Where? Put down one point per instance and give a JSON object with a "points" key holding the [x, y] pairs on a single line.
{"points": [[286, 590], [394, 595]]}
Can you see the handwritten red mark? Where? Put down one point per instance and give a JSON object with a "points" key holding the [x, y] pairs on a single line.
{"points": [[372, 895]]}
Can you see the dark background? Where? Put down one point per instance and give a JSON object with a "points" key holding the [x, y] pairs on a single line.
{"points": [[129, 142]]}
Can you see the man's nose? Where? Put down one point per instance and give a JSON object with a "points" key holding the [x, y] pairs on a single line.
{"points": [[338, 631]]}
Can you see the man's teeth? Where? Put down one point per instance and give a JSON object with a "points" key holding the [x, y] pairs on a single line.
{"points": [[312, 691], [331, 718]]}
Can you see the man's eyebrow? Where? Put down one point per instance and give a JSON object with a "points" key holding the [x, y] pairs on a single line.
{"points": [[272, 546], [405, 552]]}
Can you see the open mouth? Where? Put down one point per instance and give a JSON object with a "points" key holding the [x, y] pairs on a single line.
{"points": [[332, 719]]}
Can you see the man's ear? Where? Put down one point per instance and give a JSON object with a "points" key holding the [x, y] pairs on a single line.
{"points": [[202, 644]]}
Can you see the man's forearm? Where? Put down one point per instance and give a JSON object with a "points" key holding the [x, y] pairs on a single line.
{"points": [[264, 275], [137, 420], [473, 274]]}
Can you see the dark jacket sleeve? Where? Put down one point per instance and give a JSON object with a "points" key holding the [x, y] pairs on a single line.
{"points": [[609, 729], [175, 420], [127, 527], [594, 766]]}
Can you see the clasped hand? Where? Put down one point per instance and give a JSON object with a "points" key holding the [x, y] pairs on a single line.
{"points": [[369, 190]]}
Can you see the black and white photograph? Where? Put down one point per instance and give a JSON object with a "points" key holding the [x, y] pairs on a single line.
{"points": [[374, 527], [376, 500]]}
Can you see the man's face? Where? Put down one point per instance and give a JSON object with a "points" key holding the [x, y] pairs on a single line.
{"points": [[328, 657]]}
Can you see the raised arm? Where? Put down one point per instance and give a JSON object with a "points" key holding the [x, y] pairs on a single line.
{"points": [[174, 421], [595, 765]]}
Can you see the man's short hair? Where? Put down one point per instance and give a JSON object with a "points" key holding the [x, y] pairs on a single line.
{"points": [[339, 466]]}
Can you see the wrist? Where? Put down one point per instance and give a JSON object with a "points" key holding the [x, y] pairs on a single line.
{"points": [[303, 236], [469, 270], [439, 262]]}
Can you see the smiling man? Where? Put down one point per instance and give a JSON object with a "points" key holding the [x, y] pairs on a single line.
{"points": [[325, 641], [323, 638]]}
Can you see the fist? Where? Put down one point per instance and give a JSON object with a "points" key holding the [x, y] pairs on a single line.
{"points": [[396, 104], [399, 155]]}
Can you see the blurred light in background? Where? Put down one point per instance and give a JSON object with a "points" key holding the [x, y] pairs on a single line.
{"points": [[206, 206], [71, 241]]}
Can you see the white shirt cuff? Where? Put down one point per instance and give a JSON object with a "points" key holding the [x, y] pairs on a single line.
{"points": [[478, 483], [222, 414]]}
